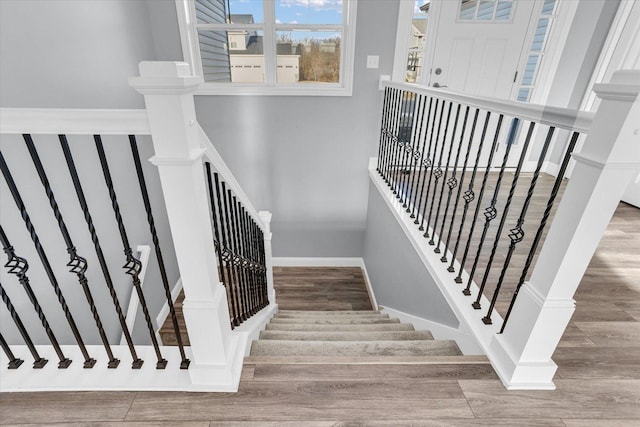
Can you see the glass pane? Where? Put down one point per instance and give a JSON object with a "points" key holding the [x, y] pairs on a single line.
{"points": [[485, 10], [417, 37], [309, 11], [503, 10], [233, 11], [523, 94], [467, 9], [547, 8], [541, 32], [530, 70], [232, 56], [308, 56]]}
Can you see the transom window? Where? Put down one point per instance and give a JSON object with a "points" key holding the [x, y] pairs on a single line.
{"points": [[275, 47], [485, 10]]}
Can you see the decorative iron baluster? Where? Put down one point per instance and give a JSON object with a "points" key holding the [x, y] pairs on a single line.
{"points": [[408, 149], [516, 234], [432, 161], [133, 266], [184, 361], [233, 286], [217, 243], [225, 253], [401, 142], [386, 133], [262, 267], [507, 206], [444, 178], [137, 362], [250, 270], [245, 261], [490, 213], [14, 363], [418, 156], [383, 130], [451, 183], [425, 162], [76, 264], [237, 258], [414, 155], [543, 223], [469, 195], [64, 362], [455, 205]]}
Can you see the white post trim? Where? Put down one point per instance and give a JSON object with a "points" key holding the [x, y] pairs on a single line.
{"points": [[609, 160], [168, 89], [265, 217]]}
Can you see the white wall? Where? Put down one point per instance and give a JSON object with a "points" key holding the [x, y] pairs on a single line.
{"points": [[77, 54]]}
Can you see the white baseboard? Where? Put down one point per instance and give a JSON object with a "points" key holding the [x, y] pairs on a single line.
{"points": [[467, 343], [367, 282], [316, 262]]}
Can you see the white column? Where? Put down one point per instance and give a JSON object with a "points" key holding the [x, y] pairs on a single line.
{"points": [[265, 216], [609, 160], [168, 92]]}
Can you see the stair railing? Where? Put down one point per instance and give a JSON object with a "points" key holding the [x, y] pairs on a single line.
{"points": [[226, 277], [454, 164]]}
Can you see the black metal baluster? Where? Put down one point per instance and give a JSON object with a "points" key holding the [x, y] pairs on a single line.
{"points": [[407, 155], [233, 286], [543, 223], [255, 232], [237, 259], [507, 206], [132, 266], [19, 266], [263, 265], [516, 234], [225, 253], [38, 362], [490, 213], [382, 130], [431, 161], [385, 134], [418, 156], [399, 139], [452, 183], [248, 255], [444, 181], [455, 205], [64, 362], [470, 195], [434, 172], [137, 362], [76, 264], [14, 362], [217, 242], [389, 134], [184, 363], [425, 162]]}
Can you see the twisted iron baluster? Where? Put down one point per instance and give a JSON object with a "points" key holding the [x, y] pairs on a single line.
{"points": [[132, 265], [233, 285], [184, 361], [516, 234], [455, 205], [383, 131], [137, 362], [413, 154], [242, 256], [263, 265], [401, 142], [237, 257], [490, 213], [424, 162], [543, 223], [255, 291], [76, 264], [431, 160], [14, 363], [410, 123], [445, 182], [418, 157], [386, 132], [470, 195], [64, 362]]}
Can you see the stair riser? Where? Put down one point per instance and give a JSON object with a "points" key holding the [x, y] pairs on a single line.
{"points": [[346, 336], [315, 327], [354, 348], [334, 321]]}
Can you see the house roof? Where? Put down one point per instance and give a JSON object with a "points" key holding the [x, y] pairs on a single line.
{"points": [[243, 18]]}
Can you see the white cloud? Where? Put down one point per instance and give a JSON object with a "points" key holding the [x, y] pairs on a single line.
{"points": [[278, 21], [315, 4]]}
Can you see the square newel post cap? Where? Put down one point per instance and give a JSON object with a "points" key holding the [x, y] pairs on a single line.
{"points": [[624, 86], [165, 77]]}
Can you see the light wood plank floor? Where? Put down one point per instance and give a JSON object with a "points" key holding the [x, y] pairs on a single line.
{"points": [[598, 380]]}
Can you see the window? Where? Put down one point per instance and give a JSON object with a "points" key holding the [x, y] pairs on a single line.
{"points": [[536, 51], [485, 10], [273, 47]]}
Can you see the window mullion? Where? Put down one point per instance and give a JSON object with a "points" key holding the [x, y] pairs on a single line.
{"points": [[269, 44]]}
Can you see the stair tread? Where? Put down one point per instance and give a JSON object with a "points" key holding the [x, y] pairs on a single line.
{"points": [[341, 327], [366, 360], [337, 315], [324, 312], [332, 321], [346, 335], [354, 348]]}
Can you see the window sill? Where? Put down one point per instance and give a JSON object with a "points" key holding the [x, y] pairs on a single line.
{"points": [[259, 90]]}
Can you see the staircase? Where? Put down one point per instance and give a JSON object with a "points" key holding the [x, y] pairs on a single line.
{"points": [[345, 336]]}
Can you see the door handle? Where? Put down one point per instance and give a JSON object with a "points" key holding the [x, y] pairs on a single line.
{"points": [[436, 84]]}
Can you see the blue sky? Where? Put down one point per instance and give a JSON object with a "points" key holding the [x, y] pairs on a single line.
{"points": [[293, 11]]}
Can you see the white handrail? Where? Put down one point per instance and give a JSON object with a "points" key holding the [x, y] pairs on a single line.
{"points": [[221, 167], [53, 121], [553, 116]]}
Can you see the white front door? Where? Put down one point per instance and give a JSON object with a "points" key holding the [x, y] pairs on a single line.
{"points": [[476, 47]]}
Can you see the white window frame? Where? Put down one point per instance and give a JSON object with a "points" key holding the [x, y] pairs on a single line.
{"points": [[191, 51]]}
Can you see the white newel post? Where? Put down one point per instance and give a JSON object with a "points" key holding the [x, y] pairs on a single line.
{"points": [[265, 216], [609, 160], [168, 92]]}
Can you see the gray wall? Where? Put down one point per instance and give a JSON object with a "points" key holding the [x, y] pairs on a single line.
{"points": [[398, 276], [77, 54]]}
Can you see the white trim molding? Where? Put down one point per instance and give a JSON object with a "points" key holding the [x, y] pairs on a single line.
{"points": [[316, 262]]}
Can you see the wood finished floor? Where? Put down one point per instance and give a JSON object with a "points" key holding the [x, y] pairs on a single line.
{"points": [[598, 379]]}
